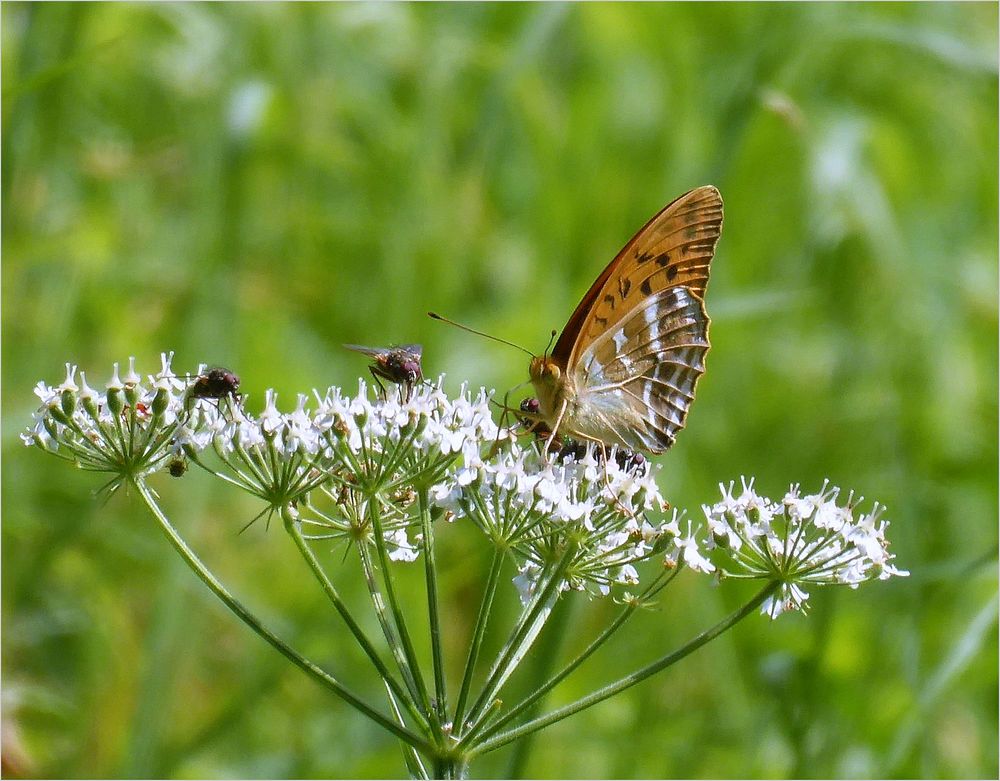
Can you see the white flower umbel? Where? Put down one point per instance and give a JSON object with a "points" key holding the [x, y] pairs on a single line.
{"points": [[536, 507], [801, 541], [125, 431], [376, 474], [378, 453]]}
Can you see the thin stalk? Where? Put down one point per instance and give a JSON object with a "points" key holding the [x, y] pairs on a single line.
{"points": [[430, 572], [410, 756], [479, 727], [547, 654], [393, 604], [479, 632], [627, 681], [600, 640], [328, 588], [526, 631], [378, 602], [310, 668]]}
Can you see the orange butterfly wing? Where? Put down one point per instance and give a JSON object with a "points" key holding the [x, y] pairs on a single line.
{"points": [[633, 351], [673, 249]]}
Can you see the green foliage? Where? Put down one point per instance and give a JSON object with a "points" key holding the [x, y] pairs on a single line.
{"points": [[254, 185]]}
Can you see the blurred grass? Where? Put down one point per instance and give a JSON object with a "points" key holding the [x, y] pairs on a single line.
{"points": [[253, 185]]}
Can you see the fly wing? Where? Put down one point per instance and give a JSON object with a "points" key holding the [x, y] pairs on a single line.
{"points": [[373, 352]]}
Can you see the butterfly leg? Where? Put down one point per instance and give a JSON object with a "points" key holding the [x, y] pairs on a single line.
{"points": [[555, 428], [505, 410], [607, 482]]}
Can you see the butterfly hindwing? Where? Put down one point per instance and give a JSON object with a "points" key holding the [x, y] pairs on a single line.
{"points": [[640, 377]]}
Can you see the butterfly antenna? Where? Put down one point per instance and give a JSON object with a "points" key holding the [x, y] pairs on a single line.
{"points": [[435, 316]]}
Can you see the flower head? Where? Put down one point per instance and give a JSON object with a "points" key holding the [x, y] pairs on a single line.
{"points": [[802, 540], [539, 507], [125, 431]]}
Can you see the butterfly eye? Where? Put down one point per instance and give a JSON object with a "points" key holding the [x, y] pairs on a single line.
{"points": [[552, 370]]}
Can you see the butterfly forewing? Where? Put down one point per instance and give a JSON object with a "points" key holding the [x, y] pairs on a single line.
{"points": [[639, 378], [674, 249]]}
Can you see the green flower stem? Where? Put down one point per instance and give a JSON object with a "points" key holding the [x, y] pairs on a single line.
{"points": [[628, 681], [532, 621], [479, 632], [544, 660], [600, 640], [315, 672], [430, 570], [393, 604], [451, 767], [378, 603], [477, 729], [411, 758], [295, 532]]}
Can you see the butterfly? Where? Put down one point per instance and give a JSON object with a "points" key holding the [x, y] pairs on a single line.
{"points": [[624, 369], [399, 365]]}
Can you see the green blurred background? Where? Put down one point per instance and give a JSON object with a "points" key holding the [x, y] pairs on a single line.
{"points": [[254, 185]]}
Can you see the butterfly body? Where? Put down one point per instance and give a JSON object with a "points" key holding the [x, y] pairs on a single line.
{"points": [[624, 370]]}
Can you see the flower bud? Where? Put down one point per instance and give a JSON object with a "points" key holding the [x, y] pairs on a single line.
{"points": [[417, 423], [50, 428], [58, 415], [90, 406], [160, 402], [68, 399], [89, 398], [116, 401]]}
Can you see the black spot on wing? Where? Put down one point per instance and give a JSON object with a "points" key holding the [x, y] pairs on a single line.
{"points": [[645, 287]]}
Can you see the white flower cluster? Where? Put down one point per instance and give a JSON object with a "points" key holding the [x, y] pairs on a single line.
{"points": [[801, 540], [376, 448], [537, 506], [426, 425], [124, 429], [378, 451], [372, 457]]}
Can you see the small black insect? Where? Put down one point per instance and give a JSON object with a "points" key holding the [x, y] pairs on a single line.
{"points": [[399, 365], [178, 467], [628, 460], [215, 383], [531, 406]]}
